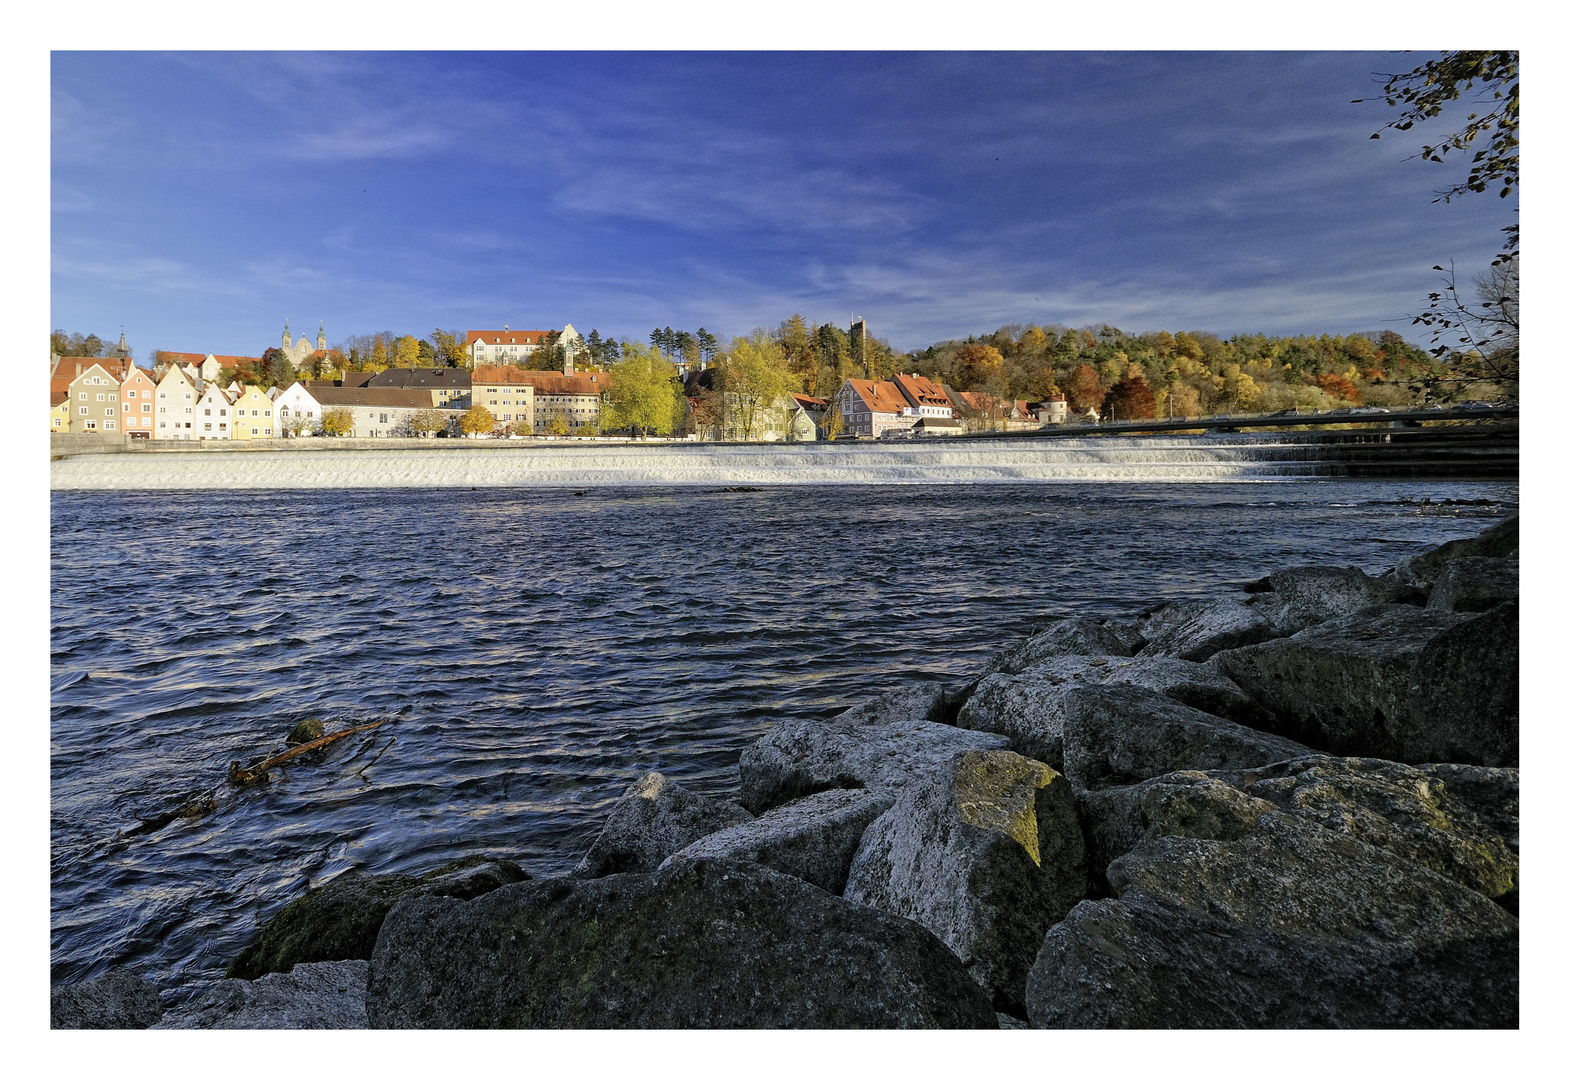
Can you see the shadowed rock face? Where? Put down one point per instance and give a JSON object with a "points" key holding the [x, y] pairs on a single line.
{"points": [[1232, 913], [1397, 682], [1496, 542], [114, 1000], [1309, 595], [1029, 708], [813, 838], [654, 819], [700, 944], [311, 997], [986, 852], [1475, 584], [1116, 735], [802, 757], [340, 920]]}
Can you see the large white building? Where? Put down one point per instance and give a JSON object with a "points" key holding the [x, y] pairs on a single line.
{"points": [[509, 346]]}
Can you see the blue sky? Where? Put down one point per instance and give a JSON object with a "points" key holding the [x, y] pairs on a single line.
{"points": [[200, 198]]}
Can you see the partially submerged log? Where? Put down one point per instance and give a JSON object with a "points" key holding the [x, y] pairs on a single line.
{"points": [[258, 773]]}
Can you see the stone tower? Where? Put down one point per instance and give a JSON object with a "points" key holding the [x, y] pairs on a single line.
{"points": [[287, 337], [321, 337]]}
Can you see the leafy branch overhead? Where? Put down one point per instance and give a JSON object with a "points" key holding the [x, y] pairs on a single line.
{"points": [[1422, 93]]}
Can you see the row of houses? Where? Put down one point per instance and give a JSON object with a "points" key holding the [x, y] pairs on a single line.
{"points": [[914, 405], [191, 401]]}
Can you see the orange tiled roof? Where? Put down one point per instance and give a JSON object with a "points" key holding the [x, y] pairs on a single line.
{"points": [[507, 337], [544, 382], [881, 397], [920, 390]]}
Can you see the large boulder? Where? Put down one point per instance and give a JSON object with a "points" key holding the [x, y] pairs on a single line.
{"points": [[1475, 584], [1117, 735], [986, 852], [340, 920], [1308, 595], [1066, 637], [655, 818], [1460, 821], [1231, 912], [1397, 682], [116, 999], [311, 997], [800, 757], [813, 838], [1498, 541], [1028, 707], [700, 944], [1198, 629], [913, 701]]}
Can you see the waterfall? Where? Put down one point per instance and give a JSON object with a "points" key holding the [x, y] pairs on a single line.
{"points": [[969, 461]]}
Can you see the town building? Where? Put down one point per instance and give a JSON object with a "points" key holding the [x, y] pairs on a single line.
{"points": [[136, 403], [298, 412], [210, 367], [450, 388], [869, 409], [214, 414], [175, 407], [1054, 410], [60, 410], [931, 401], [509, 346], [253, 415], [380, 412], [94, 400], [507, 393], [301, 352]]}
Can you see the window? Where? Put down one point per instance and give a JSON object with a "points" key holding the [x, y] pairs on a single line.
{"points": [[84, 410], [130, 393], [108, 425], [222, 426], [223, 412], [267, 412], [255, 413], [207, 427], [383, 420], [109, 411], [147, 408], [161, 408], [207, 412], [253, 431], [162, 395], [92, 425], [163, 423], [114, 397], [100, 397]]}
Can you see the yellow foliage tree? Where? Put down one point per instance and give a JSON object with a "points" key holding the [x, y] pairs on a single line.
{"points": [[339, 421], [477, 421]]}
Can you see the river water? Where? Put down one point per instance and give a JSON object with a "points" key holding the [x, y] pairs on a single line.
{"points": [[531, 650]]}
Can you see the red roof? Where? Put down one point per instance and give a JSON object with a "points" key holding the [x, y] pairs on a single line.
{"points": [[805, 401], [920, 390], [507, 337], [881, 397], [544, 382], [198, 358]]}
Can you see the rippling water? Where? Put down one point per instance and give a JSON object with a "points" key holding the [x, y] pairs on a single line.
{"points": [[531, 650]]}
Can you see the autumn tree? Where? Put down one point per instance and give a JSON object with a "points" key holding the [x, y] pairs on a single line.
{"points": [[976, 365], [477, 421], [337, 421], [644, 393], [1340, 386], [451, 349], [1083, 388], [406, 352], [1129, 399], [427, 422], [753, 376]]}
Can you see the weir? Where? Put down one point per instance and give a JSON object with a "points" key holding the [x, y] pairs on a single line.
{"points": [[1456, 453]]}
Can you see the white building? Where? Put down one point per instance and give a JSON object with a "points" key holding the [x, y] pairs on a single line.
{"points": [[296, 406], [175, 405], [214, 414]]}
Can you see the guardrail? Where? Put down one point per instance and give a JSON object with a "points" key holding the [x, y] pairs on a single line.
{"points": [[1403, 418]]}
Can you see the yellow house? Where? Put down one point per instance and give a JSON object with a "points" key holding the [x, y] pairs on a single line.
{"points": [[253, 415], [60, 413]]}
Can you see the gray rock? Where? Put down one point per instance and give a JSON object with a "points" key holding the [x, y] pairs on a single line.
{"points": [[1127, 632], [801, 757], [1118, 735], [340, 920], [1460, 821], [311, 997], [1475, 584], [1198, 629], [915, 701], [813, 838], [1069, 637], [986, 853], [1311, 594], [116, 999], [1396, 682], [1464, 703], [1495, 542], [1233, 913], [701, 944], [654, 819], [1028, 707]]}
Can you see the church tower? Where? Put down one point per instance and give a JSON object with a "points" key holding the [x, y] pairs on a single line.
{"points": [[286, 336], [321, 337]]}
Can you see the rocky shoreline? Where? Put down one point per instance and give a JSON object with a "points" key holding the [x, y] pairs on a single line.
{"points": [[1292, 807]]}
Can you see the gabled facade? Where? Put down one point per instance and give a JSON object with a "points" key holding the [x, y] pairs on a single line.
{"points": [[380, 412], [60, 411], [869, 409], [504, 346], [94, 399], [214, 414], [174, 408], [253, 415], [136, 403], [298, 413]]}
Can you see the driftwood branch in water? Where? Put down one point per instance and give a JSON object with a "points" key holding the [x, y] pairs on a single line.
{"points": [[251, 775]]}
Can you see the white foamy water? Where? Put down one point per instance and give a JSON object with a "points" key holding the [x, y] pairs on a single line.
{"points": [[971, 462]]}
